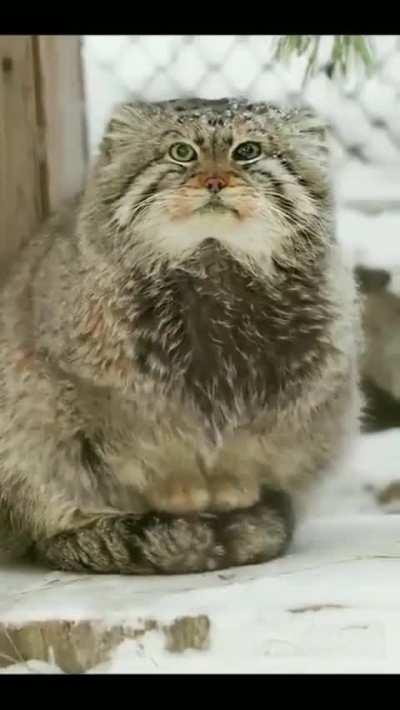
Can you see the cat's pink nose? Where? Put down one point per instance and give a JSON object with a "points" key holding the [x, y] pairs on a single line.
{"points": [[215, 184]]}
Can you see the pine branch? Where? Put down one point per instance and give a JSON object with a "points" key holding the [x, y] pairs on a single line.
{"points": [[344, 48]]}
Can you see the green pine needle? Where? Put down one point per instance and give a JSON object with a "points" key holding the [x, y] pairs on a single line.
{"points": [[344, 47]]}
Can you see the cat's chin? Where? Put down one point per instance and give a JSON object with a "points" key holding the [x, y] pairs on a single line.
{"points": [[250, 236], [214, 208]]}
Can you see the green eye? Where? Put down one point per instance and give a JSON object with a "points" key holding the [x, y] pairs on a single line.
{"points": [[247, 151], [182, 152]]}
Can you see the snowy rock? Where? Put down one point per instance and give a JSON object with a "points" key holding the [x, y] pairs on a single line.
{"points": [[370, 239]]}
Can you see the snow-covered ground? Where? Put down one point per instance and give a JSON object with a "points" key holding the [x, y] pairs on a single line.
{"points": [[331, 605]]}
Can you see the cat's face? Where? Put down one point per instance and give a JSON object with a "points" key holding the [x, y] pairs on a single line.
{"points": [[176, 173]]}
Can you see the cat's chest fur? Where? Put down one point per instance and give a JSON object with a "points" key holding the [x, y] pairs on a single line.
{"points": [[224, 337]]}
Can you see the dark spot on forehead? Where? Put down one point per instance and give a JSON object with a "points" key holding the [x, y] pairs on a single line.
{"points": [[198, 105], [214, 121], [221, 112], [194, 107]]}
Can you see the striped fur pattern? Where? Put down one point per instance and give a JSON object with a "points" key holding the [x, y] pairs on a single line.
{"points": [[178, 363]]}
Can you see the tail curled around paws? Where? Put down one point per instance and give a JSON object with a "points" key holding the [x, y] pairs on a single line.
{"points": [[164, 544]]}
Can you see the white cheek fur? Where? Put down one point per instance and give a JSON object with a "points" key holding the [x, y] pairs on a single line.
{"points": [[252, 237]]}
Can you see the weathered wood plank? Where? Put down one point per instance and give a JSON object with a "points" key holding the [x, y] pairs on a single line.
{"points": [[61, 115], [42, 132], [21, 195]]}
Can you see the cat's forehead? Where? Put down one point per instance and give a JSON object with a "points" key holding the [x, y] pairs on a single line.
{"points": [[221, 112], [211, 122]]}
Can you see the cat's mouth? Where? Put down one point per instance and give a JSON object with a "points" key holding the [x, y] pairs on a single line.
{"points": [[215, 204]]}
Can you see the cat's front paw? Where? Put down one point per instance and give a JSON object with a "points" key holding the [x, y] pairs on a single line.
{"points": [[228, 492], [179, 495]]}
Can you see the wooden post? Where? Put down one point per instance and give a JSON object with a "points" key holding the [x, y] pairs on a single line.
{"points": [[42, 134], [61, 115], [21, 198]]}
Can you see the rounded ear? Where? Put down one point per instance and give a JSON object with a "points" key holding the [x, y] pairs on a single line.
{"points": [[120, 128], [307, 133], [311, 123], [310, 131]]}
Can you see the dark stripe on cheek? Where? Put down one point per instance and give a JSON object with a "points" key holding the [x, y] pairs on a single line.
{"points": [[286, 205], [151, 189], [153, 186], [315, 191], [129, 180]]}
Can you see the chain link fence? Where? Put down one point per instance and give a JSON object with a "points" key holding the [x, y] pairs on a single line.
{"points": [[362, 111]]}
